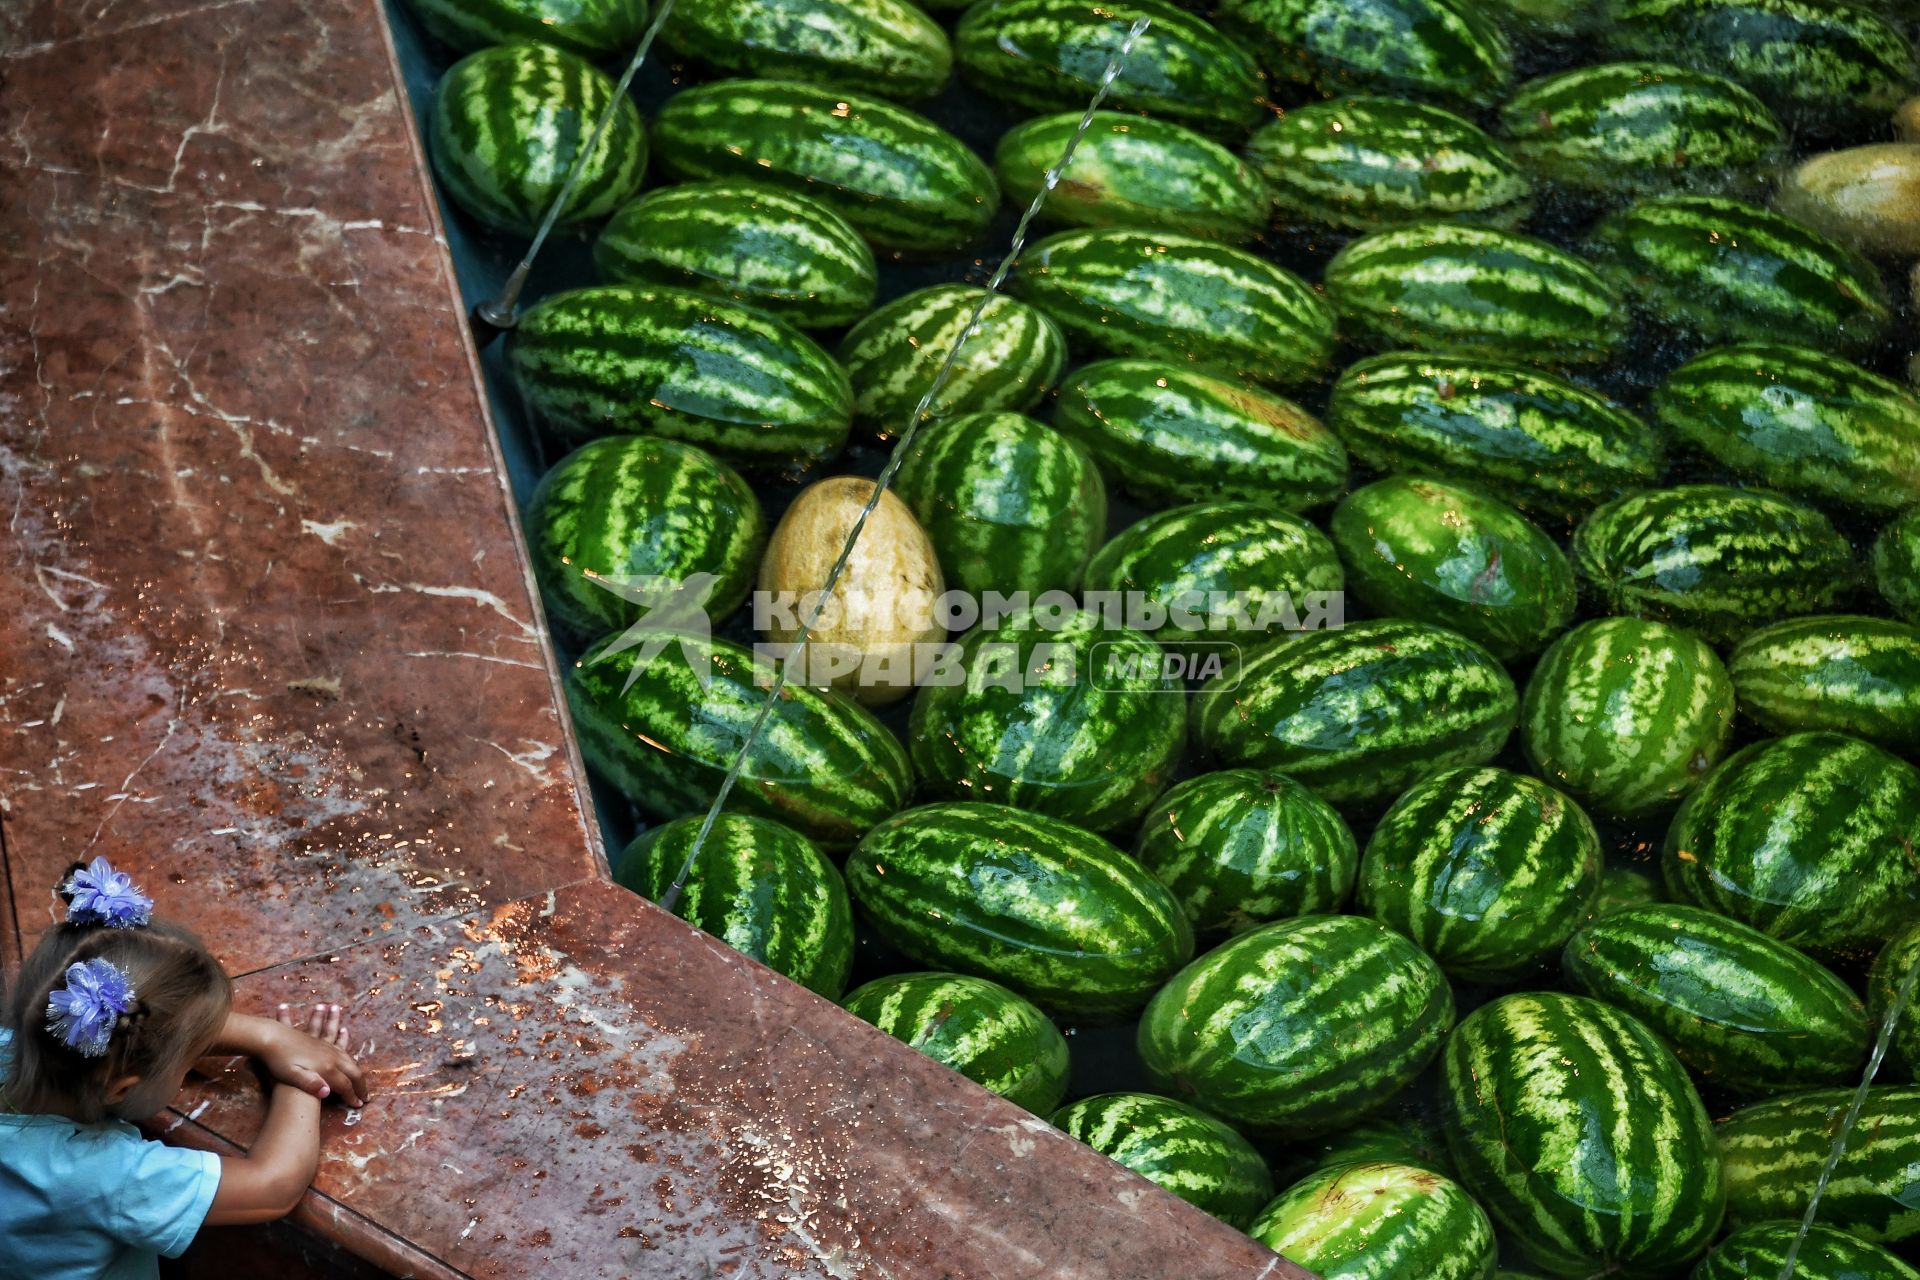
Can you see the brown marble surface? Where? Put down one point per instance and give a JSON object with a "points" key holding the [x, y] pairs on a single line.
{"points": [[267, 639]]}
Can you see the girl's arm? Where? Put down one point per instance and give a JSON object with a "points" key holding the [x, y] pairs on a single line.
{"points": [[322, 1067], [269, 1180]]}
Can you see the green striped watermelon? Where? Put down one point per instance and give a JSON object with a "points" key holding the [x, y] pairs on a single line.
{"points": [[889, 47], [1380, 1222], [1774, 1151], [1360, 713], [1155, 294], [1891, 968], [664, 720], [1452, 556], [759, 887], [1549, 446], [1745, 1012], [1366, 162], [762, 247], [901, 180], [1403, 1140], [995, 1038], [1896, 564], [1242, 847], [1054, 912], [591, 28], [749, 388], [1843, 672], [1543, 21], [1580, 1134], [1010, 505], [1065, 715], [1489, 871], [1627, 715], [1175, 1146], [1623, 887], [1826, 1253], [1444, 49], [1168, 433], [1714, 559], [508, 125], [1810, 838], [1133, 171]]}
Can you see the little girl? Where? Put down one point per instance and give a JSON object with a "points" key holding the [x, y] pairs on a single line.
{"points": [[103, 1022]]}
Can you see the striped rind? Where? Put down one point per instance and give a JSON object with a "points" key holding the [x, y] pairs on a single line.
{"points": [[1401, 1140], [1809, 838], [1242, 847], [1743, 1011], [1380, 1221], [1360, 713], [1439, 49], [893, 356], [1581, 1136], [1891, 968], [889, 47], [648, 724], [591, 28], [1365, 162], [1896, 564], [1298, 1028], [1157, 294], [1546, 444], [749, 388], [1175, 1146], [787, 255], [508, 126], [759, 887], [1488, 871], [1077, 721], [993, 1036], [1045, 908], [1474, 290], [1775, 1149], [1626, 715], [1851, 674], [1822, 1253], [1623, 887], [901, 180]]}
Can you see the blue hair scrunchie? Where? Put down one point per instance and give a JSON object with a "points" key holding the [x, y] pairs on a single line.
{"points": [[84, 1013], [97, 894]]}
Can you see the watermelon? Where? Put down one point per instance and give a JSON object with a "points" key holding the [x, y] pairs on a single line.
{"points": [[1809, 838], [1298, 1028], [1627, 715], [1242, 847], [1825, 1253], [1406, 1140], [1896, 564], [1854, 675], [995, 1038], [889, 47], [1380, 1221], [1168, 433], [759, 887], [1624, 887], [508, 125], [1892, 967], [1442, 49], [1743, 1011], [1774, 1152], [590, 28], [899, 179], [1054, 912], [1580, 1134], [1179, 1148]]}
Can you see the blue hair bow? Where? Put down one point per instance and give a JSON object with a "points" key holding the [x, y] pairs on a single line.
{"points": [[85, 1011], [97, 894]]}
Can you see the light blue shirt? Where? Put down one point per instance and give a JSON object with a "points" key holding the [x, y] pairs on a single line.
{"points": [[94, 1201]]}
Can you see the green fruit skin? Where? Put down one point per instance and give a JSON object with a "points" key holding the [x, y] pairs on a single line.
{"points": [[759, 246], [1850, 674], [1446, 554], [1298, 1028], [1241, 848], [1743, 1011], [759, 887], [1154, 294], [1380, 1221], [1048, 719], [750, 389], [1133, 171], [1009, 505], [1050, 55], [590, 28], [1401, 1141], [1717, 560], [1807, 838], [1180, 1149], [1891, 968], [635, 505], [1413, 48], [1627, 715], [507, 128], [1366, 162], [889, 47], [1167, 434], [899, 179], [1581, 1136], [1774, 1151], [1551, 447], [823, 766], [1624, 887], [1045, 908], [1454, 287], [1489, 871], [1361, 713], [999, 1040], [1896, 564], [1825, 1254]]}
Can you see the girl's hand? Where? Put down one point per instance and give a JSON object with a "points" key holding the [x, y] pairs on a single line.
{"points": [[314, 1060]]}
